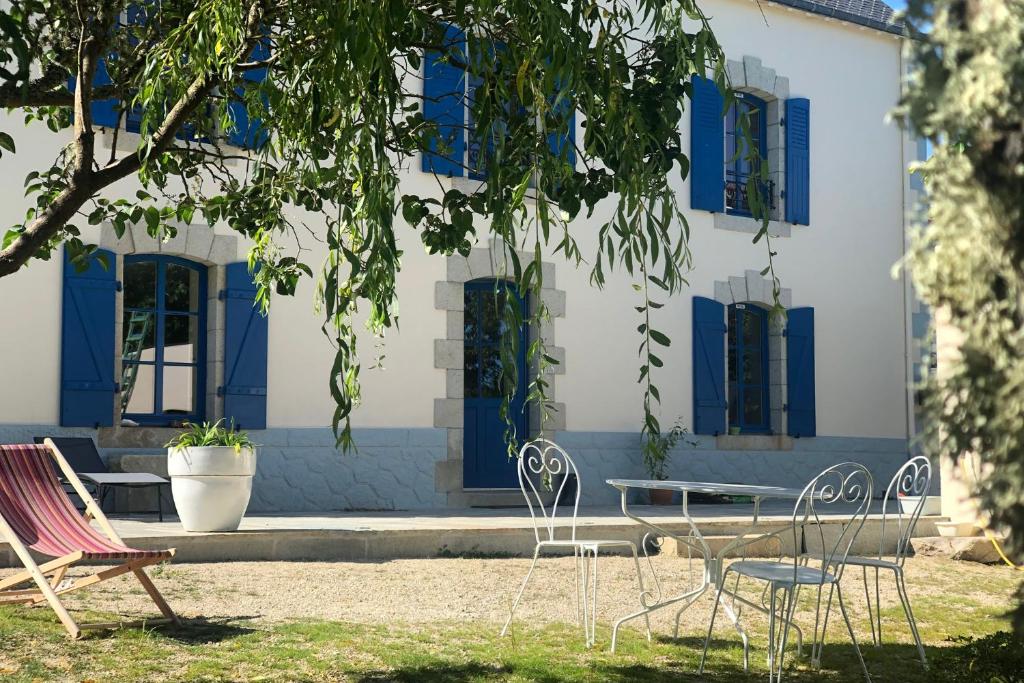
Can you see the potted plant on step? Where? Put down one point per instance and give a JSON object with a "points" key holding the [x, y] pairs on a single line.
{"points": [[211, 469], [656, 450]]}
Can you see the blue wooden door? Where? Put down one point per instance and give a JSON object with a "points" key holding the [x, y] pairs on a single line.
{"points": [[485, 450]]}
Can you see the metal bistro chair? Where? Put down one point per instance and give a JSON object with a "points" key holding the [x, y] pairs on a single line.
{"points": [[843, 485], [913, 479], [541, 461]]}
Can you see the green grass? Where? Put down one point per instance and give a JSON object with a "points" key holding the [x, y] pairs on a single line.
{"points": [[33, 647]]}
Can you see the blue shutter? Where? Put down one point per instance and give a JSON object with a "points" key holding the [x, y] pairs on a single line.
{"points": [[800, 372], [707, 147], [557, 142], [245, 351], [104, 112], [248, 131], [443, 105], [87, 362], [798, 161], [709, 403]]}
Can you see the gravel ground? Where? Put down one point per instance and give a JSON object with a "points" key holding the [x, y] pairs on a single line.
{"points": [[467, 590]]}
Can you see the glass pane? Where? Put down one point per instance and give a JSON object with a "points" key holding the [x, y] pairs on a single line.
{"points": [[490, 372], [751, 366], [140, 284], [182, 288], [492, 312], [752, 408], [470, 322], [732, 364], [138, 336], [181, 339], [732, 405], [472, 374], [138, 387], [179, 389], [751, 329]]}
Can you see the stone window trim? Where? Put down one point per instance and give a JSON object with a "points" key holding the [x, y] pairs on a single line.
{"points": [[449, 296], [197, 243], [750, 75], [751, 288]]}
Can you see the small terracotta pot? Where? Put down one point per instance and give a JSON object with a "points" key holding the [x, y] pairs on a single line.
{"points": [[662, 496]]}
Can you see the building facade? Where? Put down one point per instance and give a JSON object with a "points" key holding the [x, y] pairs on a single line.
{"points": [[169, 333]]}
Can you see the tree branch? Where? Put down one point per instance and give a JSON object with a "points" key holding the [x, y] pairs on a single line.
{"points": [[84, 181]]}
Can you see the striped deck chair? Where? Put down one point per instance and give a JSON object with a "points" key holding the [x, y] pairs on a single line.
{"points": [[37, 515]]}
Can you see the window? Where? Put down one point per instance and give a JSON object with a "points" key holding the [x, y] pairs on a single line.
{"points": [[738, 167], [163, 340], [449, 94], [748, 369]]}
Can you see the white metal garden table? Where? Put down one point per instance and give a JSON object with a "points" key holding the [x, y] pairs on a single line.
{"points": [[713, 563]]}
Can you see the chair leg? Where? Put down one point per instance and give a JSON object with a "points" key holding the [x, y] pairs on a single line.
{"points": [[160, 502], [161, 604], [791, 605], [901, 588], [711, 626], [576, 567], [867, 600], [643, 592], [853, 637], [819, 642], [878, 608], [515, 603], [593, 613]]}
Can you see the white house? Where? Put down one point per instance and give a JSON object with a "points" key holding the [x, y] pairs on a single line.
{"points": [[170, 333]]}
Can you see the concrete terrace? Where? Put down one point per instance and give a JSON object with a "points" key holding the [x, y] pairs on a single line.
{"points": [[386, 535]]}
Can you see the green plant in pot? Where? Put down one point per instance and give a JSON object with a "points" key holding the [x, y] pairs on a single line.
{"points": [[211, 468], [656, 451]]}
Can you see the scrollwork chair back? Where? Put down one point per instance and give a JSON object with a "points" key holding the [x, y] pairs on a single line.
{"points": [[913, 479], [845, 489], [543, 462]]}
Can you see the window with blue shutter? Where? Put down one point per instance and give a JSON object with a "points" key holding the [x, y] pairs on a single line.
{"points": [[707, 148], [87, 362], [800, 410], [248, 131], [449, 94], [798, 161], [443, 104], [709, 404], [245, 351]]}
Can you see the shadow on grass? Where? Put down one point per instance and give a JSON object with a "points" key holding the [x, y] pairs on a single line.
{"points": [[191, 631], [203, 630], [724, 664]]}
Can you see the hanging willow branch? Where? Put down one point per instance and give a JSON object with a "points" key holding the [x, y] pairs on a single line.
{"points": [[342, 110]]}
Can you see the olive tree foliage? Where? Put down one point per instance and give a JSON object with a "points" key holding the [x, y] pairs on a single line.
{"points": [[967, 95], [341, 107]]}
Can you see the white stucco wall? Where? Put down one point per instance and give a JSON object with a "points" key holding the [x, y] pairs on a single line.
{"points": [[840, 265]]}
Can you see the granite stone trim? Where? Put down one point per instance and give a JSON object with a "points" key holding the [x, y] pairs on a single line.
{"points": [[752, 288], [492, 262], [750, 75]]}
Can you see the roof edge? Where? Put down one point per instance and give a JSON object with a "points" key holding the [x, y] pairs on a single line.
{"points": [[895, 28]]}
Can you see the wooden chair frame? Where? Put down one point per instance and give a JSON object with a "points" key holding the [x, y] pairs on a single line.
{"points": [[49, 577]]}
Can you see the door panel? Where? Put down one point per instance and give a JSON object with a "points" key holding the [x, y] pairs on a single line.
{"points": [[486, 463]]}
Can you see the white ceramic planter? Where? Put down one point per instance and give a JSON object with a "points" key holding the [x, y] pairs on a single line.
{"points": [[932, 505], [211, 485]]}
